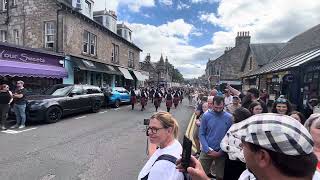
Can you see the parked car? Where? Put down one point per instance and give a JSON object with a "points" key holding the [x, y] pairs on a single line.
{"points": [[61, 100], [118, 96]]}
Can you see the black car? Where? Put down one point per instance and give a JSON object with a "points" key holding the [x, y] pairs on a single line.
{"points": [[61, 100]]}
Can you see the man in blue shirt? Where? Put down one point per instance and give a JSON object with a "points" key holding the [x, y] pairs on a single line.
{"points": [[214, 125]]}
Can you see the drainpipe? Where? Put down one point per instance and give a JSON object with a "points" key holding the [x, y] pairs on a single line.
{"points": [[57, 32]]}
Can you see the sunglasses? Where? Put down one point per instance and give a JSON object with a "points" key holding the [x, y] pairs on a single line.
{"points": [[281, 100]]}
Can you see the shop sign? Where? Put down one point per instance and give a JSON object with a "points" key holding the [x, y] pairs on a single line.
{"points": [[313, 68], [288, 78], [10, 54]]}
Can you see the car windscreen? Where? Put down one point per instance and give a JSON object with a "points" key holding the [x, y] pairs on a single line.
{"points": [[62, 91]]}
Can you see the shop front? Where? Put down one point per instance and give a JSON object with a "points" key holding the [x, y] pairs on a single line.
{"points": [[37, 68], [83, 71], [310, 85]]}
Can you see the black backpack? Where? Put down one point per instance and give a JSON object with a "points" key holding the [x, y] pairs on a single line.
{"points": [[172, 159]]}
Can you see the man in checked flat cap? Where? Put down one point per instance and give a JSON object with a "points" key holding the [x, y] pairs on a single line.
{"points": [[274, 146]]}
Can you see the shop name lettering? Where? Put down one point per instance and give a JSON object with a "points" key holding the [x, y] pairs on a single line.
{"points": [[21, 57]]}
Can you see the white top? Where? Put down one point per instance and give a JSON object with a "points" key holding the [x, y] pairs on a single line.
{"points": [[246, 175], [228, 100], [163, 169]]}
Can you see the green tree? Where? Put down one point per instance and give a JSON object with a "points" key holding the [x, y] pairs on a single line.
{"points": [[177, 76]]}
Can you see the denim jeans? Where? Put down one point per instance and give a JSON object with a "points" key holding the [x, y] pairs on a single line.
{"points": [[20, 111]]}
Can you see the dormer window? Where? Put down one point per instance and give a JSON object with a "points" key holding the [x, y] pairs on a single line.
{"points": [[87, 8]]}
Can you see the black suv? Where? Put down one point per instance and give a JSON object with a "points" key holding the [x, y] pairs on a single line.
{"points": [[61, 100]]}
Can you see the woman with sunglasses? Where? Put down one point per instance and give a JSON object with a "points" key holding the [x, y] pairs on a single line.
{"points": [[281, 106], [5, 100], [163, 131]]}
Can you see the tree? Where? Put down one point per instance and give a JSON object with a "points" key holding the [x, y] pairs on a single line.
{"points": [[177, 76]]}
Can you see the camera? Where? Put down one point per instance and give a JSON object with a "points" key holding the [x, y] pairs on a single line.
{"points": [[146, 122]]}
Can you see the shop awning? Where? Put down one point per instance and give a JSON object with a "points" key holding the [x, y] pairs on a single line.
{"points": [[139, 76], [287, 63], [14, 68], [125, 73], [88, 65]]}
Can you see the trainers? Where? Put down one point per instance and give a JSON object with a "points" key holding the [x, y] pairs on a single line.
{"points": [[3, 128], [15, 126], [22, 126]]}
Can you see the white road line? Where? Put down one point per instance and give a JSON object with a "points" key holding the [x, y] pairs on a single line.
{"points": [[80, 117], [102, 112], [17, 132], [48, 177]]}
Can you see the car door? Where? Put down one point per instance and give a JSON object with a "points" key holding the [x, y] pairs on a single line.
{"points": [[125, 95], [75, 99], [86, 98]]}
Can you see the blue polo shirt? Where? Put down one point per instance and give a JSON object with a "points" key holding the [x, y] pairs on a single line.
{"points": [[213, 128]]}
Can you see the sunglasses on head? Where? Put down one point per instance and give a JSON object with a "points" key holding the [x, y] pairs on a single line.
{"points": [[281, 100]]}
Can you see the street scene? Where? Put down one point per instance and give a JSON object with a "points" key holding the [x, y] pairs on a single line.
{"points": [[159, 90]]}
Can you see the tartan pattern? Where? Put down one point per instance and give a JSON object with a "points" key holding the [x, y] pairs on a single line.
{"points": [[279, 133]]}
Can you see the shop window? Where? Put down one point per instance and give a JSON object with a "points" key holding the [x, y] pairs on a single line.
{"points": [[3, 36], [115, 53], [49, 33], [16, 36], [4, 5], [131, 60], [309, 77]]}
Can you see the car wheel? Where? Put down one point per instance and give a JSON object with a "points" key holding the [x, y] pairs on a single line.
{"points": [[96, 106], [117, 104], [53, 114]]}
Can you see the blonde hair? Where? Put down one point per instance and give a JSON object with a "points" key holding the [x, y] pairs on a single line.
{"points": [[167, 120]]}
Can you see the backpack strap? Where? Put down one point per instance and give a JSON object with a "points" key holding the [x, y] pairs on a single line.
{"points": [[170, 158]]}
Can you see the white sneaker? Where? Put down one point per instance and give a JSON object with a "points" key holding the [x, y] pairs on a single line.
{"points": [[22, 126]]}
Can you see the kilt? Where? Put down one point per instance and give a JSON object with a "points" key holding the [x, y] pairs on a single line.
{"points": [[169, 103], [133, 99], [176, 100], [143, 101], [156, 102]]}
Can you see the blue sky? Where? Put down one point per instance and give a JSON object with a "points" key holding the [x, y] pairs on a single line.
{"points": [[190, 32]]}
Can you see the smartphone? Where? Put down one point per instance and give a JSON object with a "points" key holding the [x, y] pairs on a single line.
{"points": [[186, 152]]}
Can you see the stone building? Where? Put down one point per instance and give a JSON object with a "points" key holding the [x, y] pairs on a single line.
{"points": [[237, 60], [160, 73], [94, 54]]}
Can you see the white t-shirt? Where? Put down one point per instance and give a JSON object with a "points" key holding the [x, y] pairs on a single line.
{"points": [[163, 169], [228, 100], [246, 175]]}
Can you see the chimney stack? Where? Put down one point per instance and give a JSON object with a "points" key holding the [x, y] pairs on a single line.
{"points": [[243, 37]]}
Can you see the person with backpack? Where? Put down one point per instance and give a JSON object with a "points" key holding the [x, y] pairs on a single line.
{"points": [[163, 130]]}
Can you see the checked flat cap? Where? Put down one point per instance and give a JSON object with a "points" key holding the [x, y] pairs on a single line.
{"points": [[275, 132]]}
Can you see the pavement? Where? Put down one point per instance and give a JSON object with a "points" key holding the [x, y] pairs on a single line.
{"points": [[107, 145]]}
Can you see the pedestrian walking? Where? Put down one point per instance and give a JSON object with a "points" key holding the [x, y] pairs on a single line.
{"points": [[5, 101], [176, 99], [234, 105], [298, 116], [181, 95], [133, 98], [163, 130], [143, 99], [169, 100], [252, 96], [151, 94], [214, 125], [20, 103], [156, 99]]}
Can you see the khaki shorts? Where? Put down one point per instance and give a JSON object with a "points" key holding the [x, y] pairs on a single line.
{"points": [[217, 164]]}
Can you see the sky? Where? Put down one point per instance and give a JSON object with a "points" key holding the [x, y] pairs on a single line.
{"points": [[189, 32]]}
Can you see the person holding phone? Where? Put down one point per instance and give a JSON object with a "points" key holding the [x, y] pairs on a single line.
{"points": [[163, 130]]}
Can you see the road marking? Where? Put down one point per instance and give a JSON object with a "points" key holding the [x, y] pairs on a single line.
{"points": [[80, 117], [102, 112], [10, 131]]}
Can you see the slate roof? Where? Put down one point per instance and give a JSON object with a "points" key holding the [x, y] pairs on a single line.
{"points": [[305, 41], [264, 52]]}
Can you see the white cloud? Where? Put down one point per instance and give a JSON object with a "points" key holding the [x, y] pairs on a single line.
{"points": [[204, 1], [171, 39], [133, 5], [267, 20], [166, 2], [181, 6]]}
